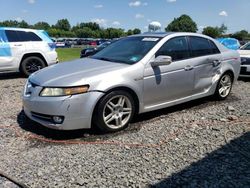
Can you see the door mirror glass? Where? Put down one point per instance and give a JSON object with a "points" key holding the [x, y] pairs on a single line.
{"points": [[161, 60]]}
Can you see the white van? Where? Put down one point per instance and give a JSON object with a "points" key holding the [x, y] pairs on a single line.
{"points": [[25, 50]]}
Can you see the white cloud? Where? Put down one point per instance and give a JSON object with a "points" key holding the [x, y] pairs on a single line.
{"points": [[24, 11], [171, 1], [223, 13], [135, 4], [139, 16], [31, 1], [98, 6], [100, 21], [18, 19], [116, 23]]}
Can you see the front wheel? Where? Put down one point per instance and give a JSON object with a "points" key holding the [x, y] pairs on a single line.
{"points": [[224, 86], [114, 111], [32, 64]]}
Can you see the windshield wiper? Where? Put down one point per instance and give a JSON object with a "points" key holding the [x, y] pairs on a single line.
{"points": [[111, 60], [104, 59]]}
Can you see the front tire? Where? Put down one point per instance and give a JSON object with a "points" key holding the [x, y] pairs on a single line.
{"points": [[224, 86], [114, 111], [32, 64]]}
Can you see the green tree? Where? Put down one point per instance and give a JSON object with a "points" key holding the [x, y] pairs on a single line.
{"points": [[63, 24], [241, 35], [42, 25], [136, 31], [222, 29], [213, 32], [130, 32], [182, 24]]}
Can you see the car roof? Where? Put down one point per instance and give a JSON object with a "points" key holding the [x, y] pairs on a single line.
{"points": [[18, 29], [165, 34]]}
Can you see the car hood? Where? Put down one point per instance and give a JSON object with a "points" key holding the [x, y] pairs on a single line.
{"points": [[73, 73]]}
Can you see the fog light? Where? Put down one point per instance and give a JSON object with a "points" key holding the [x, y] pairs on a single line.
{"points": [[58, 119]]}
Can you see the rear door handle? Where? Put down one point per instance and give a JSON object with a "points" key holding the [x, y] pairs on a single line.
{"points": [[216, 63], [188, 68]]}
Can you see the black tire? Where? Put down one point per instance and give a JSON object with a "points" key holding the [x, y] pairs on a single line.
{"points": [[218, 95], [31, 64], [120, 119]]}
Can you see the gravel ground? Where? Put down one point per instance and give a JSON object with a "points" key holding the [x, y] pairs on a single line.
{"points": [[203, 143]]}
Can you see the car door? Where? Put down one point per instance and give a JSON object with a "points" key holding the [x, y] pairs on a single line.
{"points": [[5, 51], [17, 48], [163, 84], [206, 59]]}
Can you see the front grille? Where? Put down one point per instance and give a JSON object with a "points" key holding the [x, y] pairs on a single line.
{"points": [[243, 71], [245, 61]]}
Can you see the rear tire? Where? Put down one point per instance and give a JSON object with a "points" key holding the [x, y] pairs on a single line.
{"points": [[224, 86], [31, 64], [114, 111]]}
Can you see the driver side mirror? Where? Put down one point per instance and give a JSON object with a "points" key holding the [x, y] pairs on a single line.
{"points": [[161, 60]]}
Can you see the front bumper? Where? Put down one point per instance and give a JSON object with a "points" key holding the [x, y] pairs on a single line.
{"points": [[76, 109], [245, 71]]}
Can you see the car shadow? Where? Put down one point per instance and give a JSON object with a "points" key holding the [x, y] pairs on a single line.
{"points": [[244, 79], [229, 166], [15, 75], [94, 134]]}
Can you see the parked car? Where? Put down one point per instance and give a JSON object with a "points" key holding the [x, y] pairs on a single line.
{"points": [[245, 60], [230, 43], [25, 50], [136, 74], [91, 51]]}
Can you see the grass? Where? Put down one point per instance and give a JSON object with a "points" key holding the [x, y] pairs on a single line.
{"points": [[68, 54]]}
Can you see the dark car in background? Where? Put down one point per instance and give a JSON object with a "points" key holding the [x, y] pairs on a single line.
{"points": [[91, 51]]}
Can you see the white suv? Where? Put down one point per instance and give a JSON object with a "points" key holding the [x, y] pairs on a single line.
{"points": [[25, 50]]}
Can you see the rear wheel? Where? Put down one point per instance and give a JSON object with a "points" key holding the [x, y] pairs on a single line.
{"points": [[114, 111], [224, 86], [31, 65]]}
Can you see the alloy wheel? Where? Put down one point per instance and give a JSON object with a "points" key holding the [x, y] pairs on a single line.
{"points": [[117, 112], [225, 85]]}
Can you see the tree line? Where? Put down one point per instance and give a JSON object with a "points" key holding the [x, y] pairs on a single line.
{"points": [[82, 30], [62, 28]]}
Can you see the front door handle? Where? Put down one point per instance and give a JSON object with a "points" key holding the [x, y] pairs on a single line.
{"points": [[188, 68], [216, 63]]}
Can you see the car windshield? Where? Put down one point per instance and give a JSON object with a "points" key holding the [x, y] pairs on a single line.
{"points": [[129, 50]]}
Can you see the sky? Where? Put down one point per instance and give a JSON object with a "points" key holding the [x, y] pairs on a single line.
{"points": [[130, 14]]}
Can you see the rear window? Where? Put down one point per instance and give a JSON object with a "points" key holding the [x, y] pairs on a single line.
{"points": [[21, 36]]}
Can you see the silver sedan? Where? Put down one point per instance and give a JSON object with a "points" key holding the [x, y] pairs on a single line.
{"points": [[134, 75]]}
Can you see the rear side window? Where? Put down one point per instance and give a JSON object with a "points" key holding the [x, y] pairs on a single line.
{"points": [[12, 36], [21, 36], [199, 46], [214, 48], [28, 36], [177, 48]]}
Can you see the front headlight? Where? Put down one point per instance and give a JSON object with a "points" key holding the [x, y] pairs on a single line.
{"points": [[56, 92]]}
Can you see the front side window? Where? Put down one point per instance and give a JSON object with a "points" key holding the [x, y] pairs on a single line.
{"points": [[199, 46], [129, 50], [247, 47], [177, 48]]}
